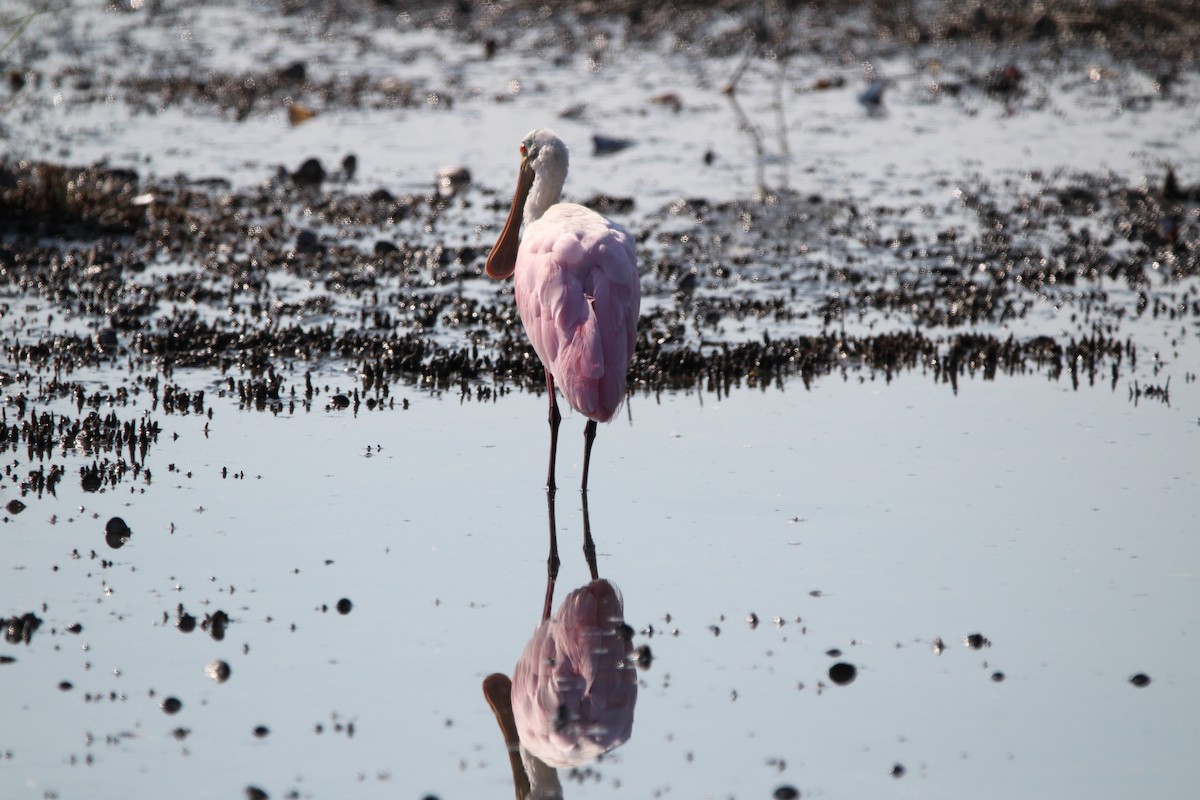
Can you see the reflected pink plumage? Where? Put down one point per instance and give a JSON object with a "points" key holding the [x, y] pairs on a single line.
{"points": [[576, 287], [575, 685]]}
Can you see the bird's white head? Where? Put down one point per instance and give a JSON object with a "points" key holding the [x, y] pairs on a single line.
{"points": [[543, 171]]}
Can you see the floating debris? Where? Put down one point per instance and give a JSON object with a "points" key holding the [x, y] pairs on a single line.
{"points": [[218, 670], [668, 100], [976, 641], [298, 114]]}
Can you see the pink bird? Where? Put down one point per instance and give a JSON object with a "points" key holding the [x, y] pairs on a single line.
{"points": [[573, 692], [577, 290], [575, 686]]}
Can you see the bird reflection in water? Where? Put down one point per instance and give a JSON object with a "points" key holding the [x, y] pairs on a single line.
{"points": [[572, 694]]}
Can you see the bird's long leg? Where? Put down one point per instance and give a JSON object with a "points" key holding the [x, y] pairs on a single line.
{"points": [[555, 419], [589, 436], [589, 546], [552, 560]]}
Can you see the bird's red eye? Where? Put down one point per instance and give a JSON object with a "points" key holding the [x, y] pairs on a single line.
{"points": [[523, 151]]}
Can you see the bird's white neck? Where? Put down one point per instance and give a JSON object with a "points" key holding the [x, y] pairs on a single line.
{"points": [[545, 192], [550, 173]]}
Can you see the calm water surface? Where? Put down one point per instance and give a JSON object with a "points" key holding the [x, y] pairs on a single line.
{"points": [[869, 518]]}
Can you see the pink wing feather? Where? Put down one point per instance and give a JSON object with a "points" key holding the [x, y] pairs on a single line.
{"points": [[578, 294]]}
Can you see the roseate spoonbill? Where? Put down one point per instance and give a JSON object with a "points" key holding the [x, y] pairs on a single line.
{"points": [[574, 689], [575, 685], [576, 287]]}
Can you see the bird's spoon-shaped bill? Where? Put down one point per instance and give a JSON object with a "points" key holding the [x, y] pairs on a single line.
{"points": [[502, 261]]}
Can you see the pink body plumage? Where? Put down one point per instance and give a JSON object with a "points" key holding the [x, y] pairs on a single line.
{"points": [[576, 288], [575, 687]]}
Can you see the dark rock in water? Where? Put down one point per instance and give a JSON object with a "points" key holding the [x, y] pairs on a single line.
{"points": [[998, 676], [344, 605], [383, 248], [1006, 81], [643, 657], [215, 624], [574, 111], [898, 770], [65, 686], [20, 629], [871, 98], [89, 479], [311, 173], [843, 673], [217, 670], [607, 204], [1044, 27], [171, 705], [349, 167], [105, 339], [1140, 680], [255, 793], [15, 506], [307, 241], [607, 145], [261, 731], [294, 72], [116, 533], [786, 792]]}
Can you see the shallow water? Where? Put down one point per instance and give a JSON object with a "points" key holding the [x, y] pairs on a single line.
{"points": [[889, 520], [869, 518]]}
